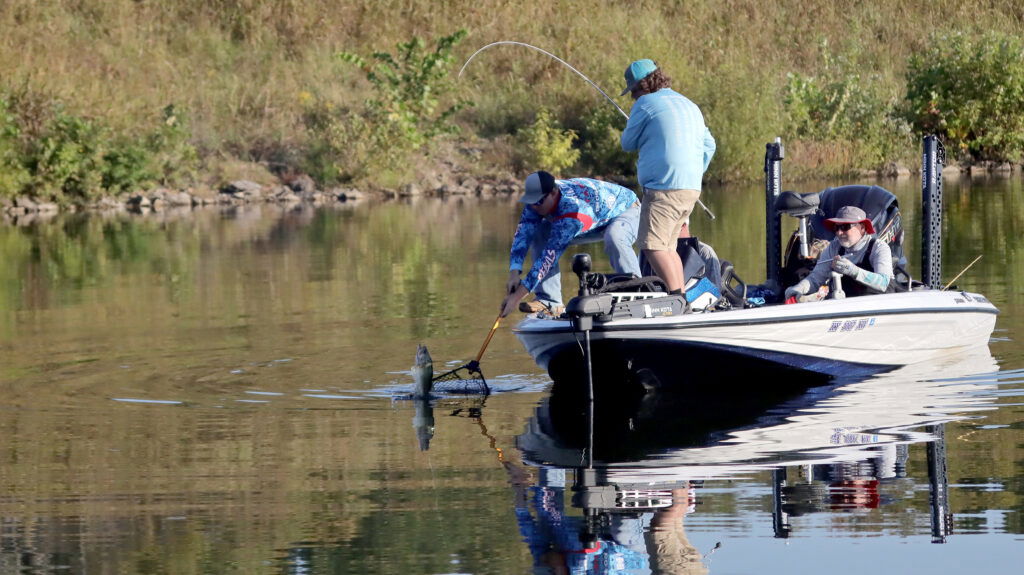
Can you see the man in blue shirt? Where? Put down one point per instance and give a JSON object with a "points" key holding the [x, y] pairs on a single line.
{"points": [[675, 149], [563, 212]]}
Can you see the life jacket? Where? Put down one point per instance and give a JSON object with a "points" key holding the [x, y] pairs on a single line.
{"points": [[853, 287]]}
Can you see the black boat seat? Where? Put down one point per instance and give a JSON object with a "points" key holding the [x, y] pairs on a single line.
{"points": [[797, 205]]}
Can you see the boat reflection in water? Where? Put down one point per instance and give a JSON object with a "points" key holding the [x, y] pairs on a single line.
{"points": [[630, 463]]}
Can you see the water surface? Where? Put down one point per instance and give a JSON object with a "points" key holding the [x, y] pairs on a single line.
{"points": [[212, 392]]}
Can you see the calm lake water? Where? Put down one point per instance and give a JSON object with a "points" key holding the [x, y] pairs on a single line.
{"points": [[213, 392]]}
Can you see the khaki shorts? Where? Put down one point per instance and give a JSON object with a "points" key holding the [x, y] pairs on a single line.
{"points": [[662, 213]]}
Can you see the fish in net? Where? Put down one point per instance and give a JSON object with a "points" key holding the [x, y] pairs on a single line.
{"points": [[466, 379]]}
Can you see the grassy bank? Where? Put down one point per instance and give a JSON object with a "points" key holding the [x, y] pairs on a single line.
{"points": [[251, 76]]}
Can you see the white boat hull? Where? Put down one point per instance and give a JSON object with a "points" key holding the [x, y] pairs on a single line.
{"points": [[853, 336]]}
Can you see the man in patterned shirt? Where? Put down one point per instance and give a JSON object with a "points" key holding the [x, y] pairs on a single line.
{"points": [[563, 212]]}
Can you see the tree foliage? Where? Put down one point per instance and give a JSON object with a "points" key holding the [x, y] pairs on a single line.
{"points": [[411, 103], [51, 152], [544, 145], [969, 90]]}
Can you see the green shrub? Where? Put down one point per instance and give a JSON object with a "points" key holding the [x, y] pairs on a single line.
{"points": [[13, 174], [970, 91], [545, 146], [338, 148], [174, 160], [127, 166], [411, 105], [164, 156], [66, 161], [841, 106], [601, 147], [51, 153]]}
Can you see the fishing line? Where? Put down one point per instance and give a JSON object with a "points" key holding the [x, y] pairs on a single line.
{"points": [[578, 73], [545, 52]]}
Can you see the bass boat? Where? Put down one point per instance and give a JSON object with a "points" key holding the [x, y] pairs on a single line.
{"points": [[622, 319]]}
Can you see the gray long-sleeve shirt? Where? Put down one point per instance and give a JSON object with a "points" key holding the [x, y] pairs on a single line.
{"points": [[881, 261]]}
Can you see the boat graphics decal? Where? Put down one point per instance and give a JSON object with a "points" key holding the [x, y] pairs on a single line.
{"points": [[691, 322]]}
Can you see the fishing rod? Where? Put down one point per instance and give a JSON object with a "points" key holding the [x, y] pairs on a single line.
{"points": [[578, 73], [962, 272]]}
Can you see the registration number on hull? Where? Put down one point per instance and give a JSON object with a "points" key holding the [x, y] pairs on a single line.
{"points": [[841, 325]]}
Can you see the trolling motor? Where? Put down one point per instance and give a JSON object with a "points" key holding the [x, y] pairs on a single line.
{"points": [[581, 310], [585, 306], [581, 266]]}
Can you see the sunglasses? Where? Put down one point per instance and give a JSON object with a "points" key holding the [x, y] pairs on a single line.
{"points": [[844, 227]]}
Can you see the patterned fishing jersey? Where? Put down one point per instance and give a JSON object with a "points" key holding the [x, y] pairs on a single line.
{"points": [[585, 205]]}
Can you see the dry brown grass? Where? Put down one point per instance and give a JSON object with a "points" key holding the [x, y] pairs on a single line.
{"points": [[241, 67]]}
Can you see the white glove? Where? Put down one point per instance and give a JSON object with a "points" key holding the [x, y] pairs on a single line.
{"points": [[798, 290], [845, 267]]}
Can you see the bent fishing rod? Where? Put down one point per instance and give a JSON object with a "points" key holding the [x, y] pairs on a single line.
{"points": [[578, 73]]}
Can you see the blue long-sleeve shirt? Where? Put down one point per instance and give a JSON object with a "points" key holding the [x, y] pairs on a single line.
{"points": [[586, 204], [674, 143]]}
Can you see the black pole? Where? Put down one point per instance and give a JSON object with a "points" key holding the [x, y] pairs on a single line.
{"points": [[780, 519], [773, 223], [934, 158], [942, 518]]}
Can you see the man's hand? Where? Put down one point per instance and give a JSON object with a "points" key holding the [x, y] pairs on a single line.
{"points": [[511, 301], [845, 267], [513, 281], [797, 290]]}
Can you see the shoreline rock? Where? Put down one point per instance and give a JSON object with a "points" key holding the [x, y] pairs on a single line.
{"points": [[242, 192], [302, 189]]}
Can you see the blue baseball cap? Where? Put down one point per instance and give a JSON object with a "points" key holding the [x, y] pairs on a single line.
{"points": [[638, 71], [538, 185]]}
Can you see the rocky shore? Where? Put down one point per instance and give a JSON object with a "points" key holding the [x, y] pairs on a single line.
{"points": [[303, 190], [300, 190]]}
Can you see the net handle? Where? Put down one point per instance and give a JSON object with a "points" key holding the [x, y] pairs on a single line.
{"points": [[494, 328]]}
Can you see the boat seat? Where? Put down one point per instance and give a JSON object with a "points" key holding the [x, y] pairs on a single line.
{"points": [[694, 265], [797, 205], [880, 205]]}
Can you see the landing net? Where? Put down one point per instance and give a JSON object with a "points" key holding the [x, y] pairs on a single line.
{"points": [[465, 379]]}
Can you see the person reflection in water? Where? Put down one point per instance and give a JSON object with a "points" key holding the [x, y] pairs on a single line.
{"points": [[671, 552], [640, 542]]}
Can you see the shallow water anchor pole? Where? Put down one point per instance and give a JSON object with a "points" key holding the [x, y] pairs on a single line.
{"points": [[938, 479], [772, 221], [933, 159]]}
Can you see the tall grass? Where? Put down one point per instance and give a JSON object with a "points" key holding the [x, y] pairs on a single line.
{"points": [[241, 69]]}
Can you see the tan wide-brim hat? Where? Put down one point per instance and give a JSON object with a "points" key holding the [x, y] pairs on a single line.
{"points": [[850, 215]]}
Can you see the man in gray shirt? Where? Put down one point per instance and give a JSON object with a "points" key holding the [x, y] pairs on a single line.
{"points": [[864, 261]]}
